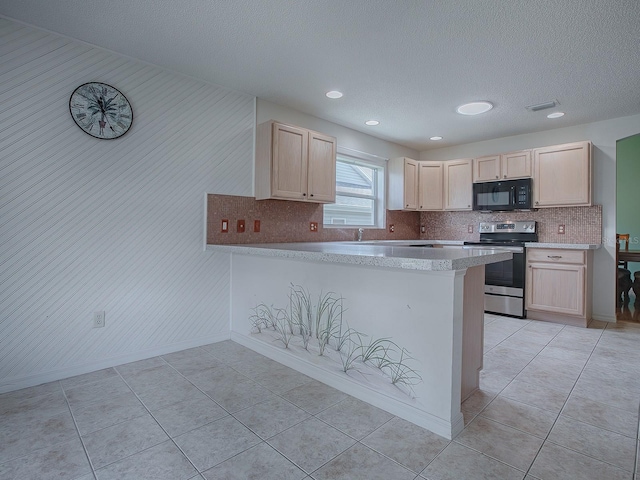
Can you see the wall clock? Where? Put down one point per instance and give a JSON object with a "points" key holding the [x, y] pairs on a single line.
{"points": [[101, 110]]}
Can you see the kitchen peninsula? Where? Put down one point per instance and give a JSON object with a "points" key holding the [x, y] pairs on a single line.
{"points": [[428, 301]]}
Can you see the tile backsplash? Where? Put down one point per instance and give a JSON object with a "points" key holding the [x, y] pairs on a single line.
{"points": [[582, 224], [289, 221]]}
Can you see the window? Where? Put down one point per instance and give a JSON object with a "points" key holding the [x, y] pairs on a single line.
{"points": [[359, 191]]}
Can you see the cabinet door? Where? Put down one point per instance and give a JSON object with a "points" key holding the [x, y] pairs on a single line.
{"points": [[410, 184], [458, 184], [556, 288], [516, 165], [290, 159], [486, 169], [562, 175], [430, 179], [322, 168]]}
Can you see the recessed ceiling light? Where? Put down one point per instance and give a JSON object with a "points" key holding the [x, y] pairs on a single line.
{"points": [[555, 115], [372, 123], [436, 138], [334, 94], [474, 108]]}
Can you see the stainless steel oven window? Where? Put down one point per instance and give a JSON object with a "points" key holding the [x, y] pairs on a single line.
{"points": [[509, 273]]}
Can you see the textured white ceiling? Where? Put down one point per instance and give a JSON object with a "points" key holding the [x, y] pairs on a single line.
{"points": [[407, 63]]}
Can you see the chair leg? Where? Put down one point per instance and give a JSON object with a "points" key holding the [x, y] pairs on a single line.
{"points": [[624, 285]]}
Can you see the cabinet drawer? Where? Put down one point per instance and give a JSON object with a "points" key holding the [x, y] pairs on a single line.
{"points": [[546, 255]]}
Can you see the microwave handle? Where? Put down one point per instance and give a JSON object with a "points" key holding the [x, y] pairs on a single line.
{"points": [[512, 195]]}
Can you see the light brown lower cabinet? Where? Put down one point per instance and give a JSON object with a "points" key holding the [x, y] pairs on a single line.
{"points": [[558, 285]]}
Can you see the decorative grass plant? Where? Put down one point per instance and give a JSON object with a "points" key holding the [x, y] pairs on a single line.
{"points": [[324, 321], [400, 373]]}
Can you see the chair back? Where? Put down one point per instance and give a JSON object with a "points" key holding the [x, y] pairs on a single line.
{"points": [[622, 237]]}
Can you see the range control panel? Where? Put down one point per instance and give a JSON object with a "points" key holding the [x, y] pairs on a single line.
{"points": [[511, 227]]}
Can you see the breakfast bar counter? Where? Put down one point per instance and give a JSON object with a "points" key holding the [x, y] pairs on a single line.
{"points": [[427, 302], [404, 254]]}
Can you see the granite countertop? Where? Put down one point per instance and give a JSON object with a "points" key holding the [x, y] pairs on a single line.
{"points": [[381, 254], [569, 246], [566, 246]]}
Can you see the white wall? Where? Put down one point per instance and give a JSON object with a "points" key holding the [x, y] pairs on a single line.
{"points": [[346, 137], [604, 136], [115, 225]]}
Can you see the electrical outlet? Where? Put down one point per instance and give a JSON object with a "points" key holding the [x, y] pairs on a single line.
{"points": [[98, 319], [469, 228], [392, 228], [225, 226], [423, 229], [240, 228], [256, 226], [313, 226], [561, 229]]}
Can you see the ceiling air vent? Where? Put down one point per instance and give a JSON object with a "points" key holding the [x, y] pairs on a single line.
{"points": [[543, 106]]}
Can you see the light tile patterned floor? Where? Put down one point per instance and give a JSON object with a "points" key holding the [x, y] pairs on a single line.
{"points": [[556, 402]]}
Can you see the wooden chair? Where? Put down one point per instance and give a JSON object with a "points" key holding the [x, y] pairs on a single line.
{"points": [[622, 237], [624, 275]]}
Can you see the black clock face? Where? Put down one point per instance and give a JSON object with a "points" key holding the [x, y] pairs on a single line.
{"points": [[101, 110]]}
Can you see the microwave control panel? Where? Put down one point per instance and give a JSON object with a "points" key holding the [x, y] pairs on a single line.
{"points": [[522, 195]]}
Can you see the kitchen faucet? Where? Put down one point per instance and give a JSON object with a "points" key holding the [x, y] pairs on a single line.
{"points": [[360, 232]]}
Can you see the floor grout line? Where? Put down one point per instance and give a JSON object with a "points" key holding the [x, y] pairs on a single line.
{"points": [[75, 424]]}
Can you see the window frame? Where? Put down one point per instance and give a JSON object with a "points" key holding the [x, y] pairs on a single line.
{"points": [[379, 164]]}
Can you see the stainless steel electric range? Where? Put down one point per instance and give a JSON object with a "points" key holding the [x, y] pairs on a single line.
{"points": [[504, 284]]}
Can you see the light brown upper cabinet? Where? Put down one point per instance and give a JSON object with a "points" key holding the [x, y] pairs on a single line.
{"points": [[506, 166], [414, 185], [562, 175], [294, 163], [458, 184], [430, 185], [402, 175]]}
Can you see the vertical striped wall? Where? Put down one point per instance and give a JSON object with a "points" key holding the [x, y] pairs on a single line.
{"points": [[113, 225]]}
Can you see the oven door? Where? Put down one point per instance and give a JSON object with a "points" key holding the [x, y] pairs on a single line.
{"points": [[509, 273], [504, 284]]}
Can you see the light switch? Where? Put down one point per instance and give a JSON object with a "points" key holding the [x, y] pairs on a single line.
{"points": [[225, 226]]}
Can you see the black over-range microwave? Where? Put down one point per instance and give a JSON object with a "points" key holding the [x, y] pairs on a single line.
{"points": [[503, 195]]}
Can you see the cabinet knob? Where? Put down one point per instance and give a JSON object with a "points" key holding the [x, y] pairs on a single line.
{"points": [[311, 195], [497, 176], [407, 205], [304, 194], [420, 206], [505, 176], [537, 203]]}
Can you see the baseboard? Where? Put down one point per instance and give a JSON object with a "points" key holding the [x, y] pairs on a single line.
{"points": [[556, 318], [341, 382], [16, 383], [604, 318]]}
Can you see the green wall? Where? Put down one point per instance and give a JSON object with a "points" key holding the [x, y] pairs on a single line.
{"points": [[628, 191]]}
